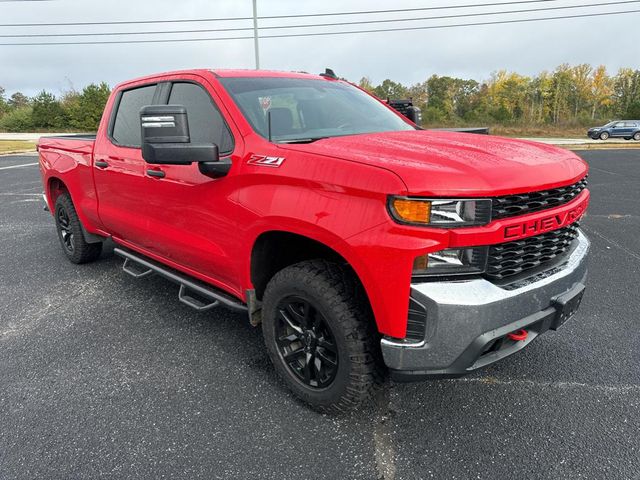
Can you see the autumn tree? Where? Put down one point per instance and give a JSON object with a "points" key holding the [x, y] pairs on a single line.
{"points": [[601, 90]]}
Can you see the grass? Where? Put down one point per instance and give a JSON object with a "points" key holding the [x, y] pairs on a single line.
{"points": [[533, 131], [8, 146], [539, 131]]}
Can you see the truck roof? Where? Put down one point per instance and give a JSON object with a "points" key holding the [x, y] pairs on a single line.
{"points": [[224, 73]]}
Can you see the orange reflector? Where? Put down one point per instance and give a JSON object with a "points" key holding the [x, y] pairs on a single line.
{"points": [[421, 263], [413, 211]]}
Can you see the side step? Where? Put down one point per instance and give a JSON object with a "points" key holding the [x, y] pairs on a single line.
{"points": [[139, 267]]}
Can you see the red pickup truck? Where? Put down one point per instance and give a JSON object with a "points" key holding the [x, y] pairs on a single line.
{"points": [[363, 244]]}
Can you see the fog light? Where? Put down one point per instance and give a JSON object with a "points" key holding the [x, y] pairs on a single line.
{"points": [[452, 261]]}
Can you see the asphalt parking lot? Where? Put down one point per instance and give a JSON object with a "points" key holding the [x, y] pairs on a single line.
{"points": [[105, 376]]}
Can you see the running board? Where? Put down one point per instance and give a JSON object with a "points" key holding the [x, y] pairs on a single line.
{"points": [[139, 267]]}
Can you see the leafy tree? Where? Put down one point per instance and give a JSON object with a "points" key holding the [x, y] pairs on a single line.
{"points": [[47, 112], [626, 92], [390, 89], [3, 102], [87, 111], [18, 100], [601, 90], [365, 83], [17, 120]]}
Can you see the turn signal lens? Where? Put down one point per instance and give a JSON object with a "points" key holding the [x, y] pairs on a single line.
{"points": [[444, 213], [413, 211]]}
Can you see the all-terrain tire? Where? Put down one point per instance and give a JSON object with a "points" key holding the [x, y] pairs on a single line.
{"points": [[339, 301], [70, 233]]}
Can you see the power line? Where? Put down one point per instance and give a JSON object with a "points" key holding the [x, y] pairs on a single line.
{"points": [[314, 34], [278, 27], [274, 17]]}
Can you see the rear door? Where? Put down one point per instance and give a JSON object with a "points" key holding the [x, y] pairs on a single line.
{"points": [[619, 129], [119, 169]]}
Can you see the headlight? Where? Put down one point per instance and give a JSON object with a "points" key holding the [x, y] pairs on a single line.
{"points": [[453, 261], [440, 212]]}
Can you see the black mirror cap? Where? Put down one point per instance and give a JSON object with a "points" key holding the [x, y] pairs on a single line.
{"points": [[164, 124], [414, 114], [179, 153]]}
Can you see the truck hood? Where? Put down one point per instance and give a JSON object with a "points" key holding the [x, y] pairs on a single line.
{"points": [[448, 163]]}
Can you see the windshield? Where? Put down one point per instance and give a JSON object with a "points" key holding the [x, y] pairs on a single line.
{"points": [[309, 109], [610, 124]]}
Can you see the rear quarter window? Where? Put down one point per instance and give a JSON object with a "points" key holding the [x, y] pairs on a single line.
{"points": [[126, 126]]}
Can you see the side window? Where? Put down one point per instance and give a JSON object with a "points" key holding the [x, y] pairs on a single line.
{"points": [[206, 124], [126, 126]]}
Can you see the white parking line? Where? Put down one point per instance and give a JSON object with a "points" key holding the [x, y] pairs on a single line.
{"points": [[19, 166]]}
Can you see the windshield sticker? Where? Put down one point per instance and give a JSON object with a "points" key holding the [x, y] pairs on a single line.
{"points": [[265, 103]]}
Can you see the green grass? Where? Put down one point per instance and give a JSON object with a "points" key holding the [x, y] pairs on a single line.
{"points": [[8, 146]]}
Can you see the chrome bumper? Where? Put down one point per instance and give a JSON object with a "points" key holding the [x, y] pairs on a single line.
{"points": [[464, 317]]}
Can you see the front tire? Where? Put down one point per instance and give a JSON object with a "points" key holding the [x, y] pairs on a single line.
{"points": [[318, 330], [636, 136], [70, 233], [604, 136]]}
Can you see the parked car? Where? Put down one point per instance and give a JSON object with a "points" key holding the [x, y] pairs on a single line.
{"points": [[362, 244], [627, 129]]}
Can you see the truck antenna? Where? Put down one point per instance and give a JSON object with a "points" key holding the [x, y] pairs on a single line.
{"points": [[329, 73]]}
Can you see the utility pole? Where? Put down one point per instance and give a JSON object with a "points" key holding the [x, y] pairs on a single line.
{"points": [[255, 34]]}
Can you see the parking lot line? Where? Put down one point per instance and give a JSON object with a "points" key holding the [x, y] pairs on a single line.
{"points": [[19, 166]]}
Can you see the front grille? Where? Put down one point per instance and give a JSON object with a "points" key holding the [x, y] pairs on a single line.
{"points": [[521, 204], [513, 258]]}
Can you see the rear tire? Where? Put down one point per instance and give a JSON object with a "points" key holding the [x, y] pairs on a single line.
{"points": [[318, 330], [636, 136], [604, 136], [70, 233]]}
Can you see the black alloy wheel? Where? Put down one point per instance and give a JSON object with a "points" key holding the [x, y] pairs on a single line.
{"points": [[305, 342], [64, 224], [71, 233], [320, 335]]}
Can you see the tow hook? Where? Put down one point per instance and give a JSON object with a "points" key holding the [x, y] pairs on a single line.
{"points": [[518, 335]]}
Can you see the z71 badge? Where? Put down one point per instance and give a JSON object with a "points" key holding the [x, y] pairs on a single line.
{"points": [[265, 161]]}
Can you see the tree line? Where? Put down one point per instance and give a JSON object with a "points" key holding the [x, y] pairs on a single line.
{"points": [[569, 95], [73, 110], [577, 95]]}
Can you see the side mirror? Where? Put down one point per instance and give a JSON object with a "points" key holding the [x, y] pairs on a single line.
{"points": [[166, 141]]}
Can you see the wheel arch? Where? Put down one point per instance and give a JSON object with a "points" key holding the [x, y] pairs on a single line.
{"points": [[275, 249], [56, 187]]}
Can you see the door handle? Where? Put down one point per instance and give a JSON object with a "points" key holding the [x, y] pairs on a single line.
{"points": [[155, 173], [101, 164]]}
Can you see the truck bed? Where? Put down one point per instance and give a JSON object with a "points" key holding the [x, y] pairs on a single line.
{"points": [[69, 143]]}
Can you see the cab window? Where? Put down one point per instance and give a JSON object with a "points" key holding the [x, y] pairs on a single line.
{"points": [[126, 126], [206, 124]]}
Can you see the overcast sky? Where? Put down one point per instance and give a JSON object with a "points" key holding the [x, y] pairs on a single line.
{"points": [[409, 57]]}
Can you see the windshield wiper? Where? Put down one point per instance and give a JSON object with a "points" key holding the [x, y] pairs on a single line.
{"points": [[302, 140]]}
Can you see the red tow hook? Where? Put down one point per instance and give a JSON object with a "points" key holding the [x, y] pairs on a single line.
{"points": [[518, 335]]}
